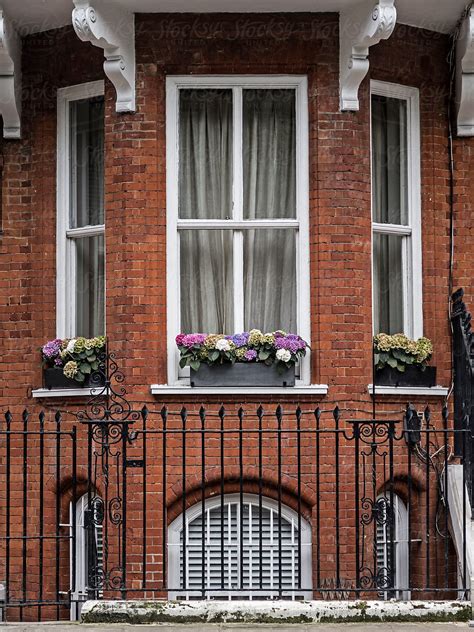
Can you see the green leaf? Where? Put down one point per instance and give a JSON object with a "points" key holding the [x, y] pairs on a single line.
{"points": [[376, 358], [183, 362], [383, 357], [91, 358], [195, 364], [263, 355], [86, 368], [213, 355], [392, 362], [79, 377], [401, 368], [95, 366]]}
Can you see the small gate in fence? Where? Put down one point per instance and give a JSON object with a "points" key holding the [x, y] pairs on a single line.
{"points": [[226, 503]]}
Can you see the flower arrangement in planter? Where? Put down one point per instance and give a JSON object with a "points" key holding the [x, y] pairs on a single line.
{"points": [[401, 361], [70, 362], [250, 358]]}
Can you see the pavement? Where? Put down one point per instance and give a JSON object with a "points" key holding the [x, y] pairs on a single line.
{"points": [[321, 627]]}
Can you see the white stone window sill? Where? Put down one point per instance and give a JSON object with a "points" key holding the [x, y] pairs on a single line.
{"points": [[183, 388], [65, 392], [433, 391]]}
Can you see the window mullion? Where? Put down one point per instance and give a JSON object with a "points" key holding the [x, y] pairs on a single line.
{"points": [[237, 211]]}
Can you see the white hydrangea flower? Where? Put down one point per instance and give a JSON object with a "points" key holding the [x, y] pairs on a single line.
{"points": [[70, 346], [283, 355], [223, 345]]}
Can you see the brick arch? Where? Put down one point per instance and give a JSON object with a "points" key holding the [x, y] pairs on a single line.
{"points": [[289, 489]]}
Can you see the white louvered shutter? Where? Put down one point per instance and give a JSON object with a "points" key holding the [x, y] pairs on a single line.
{"points": [[223, 579]]}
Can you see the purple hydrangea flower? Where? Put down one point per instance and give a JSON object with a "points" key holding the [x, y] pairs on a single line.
{"points": [[58, 362], [291, 342], [52, 348], [250, 355], [240, 340], [189, 340]]}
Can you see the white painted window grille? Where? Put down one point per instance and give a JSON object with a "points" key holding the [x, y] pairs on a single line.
{"points": [[396, 210], [80, 211], [398, 566], [187, 576]]}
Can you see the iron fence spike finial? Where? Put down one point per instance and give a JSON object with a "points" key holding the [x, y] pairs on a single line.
{"points": [[41, 417], [336, 413], [222, 411], [8, 416], [144, 411], [163, 411], [445, 412], [260, 411], [317, 413], [57, 417]]}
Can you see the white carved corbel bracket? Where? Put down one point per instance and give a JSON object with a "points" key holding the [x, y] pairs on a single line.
{"points": [[10, 78], [465, 76], [113, 30], [359, 28]]}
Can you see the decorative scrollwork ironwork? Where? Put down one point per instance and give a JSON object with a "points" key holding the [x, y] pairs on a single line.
{"points": [[108, 402], [378, 510], [115, 510]]}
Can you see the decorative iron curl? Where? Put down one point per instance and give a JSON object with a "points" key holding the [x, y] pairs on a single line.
{"points": [[378, 510], [115, 510], [113, 579], [97, 506], [96, 578], [366, 578]]}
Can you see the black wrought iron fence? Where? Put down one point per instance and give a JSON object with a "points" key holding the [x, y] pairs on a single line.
{"points": [[463, 367], [225, 503]]}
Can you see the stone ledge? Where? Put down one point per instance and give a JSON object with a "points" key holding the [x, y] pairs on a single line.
{"points": [[254, 612]]}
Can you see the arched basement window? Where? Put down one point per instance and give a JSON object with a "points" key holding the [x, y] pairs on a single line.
{"points": [[399, 563], [87, 571], [248, 551]]}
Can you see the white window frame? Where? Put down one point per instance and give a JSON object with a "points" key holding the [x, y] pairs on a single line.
{"points": [[66, 236], [288, 514], [412, 244], [174, 224]]}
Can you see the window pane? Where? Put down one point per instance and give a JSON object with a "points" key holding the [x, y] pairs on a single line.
{"points": [[389, 160], [87, 162], [269, 148], [206, 281], [270, 279], [205, 154], [388, 284], [90, 286]]}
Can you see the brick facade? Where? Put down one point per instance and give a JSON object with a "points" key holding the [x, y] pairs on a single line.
{"points": [[135, 201]]}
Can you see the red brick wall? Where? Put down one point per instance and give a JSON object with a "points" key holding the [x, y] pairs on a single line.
{"points": [[340, 224]]}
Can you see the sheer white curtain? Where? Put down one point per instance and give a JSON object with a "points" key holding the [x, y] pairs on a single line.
{"points": [[267, 256], [205, 192], [390, 206], [269, 145]]}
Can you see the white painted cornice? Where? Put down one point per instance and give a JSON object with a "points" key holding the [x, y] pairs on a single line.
{"points": [[113, 30], [360, 27], [10, 78], [465, 77]]}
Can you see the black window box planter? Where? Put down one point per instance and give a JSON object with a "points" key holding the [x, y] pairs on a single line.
{"points": [[412, 376], [55, 378], [246, 374]]}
